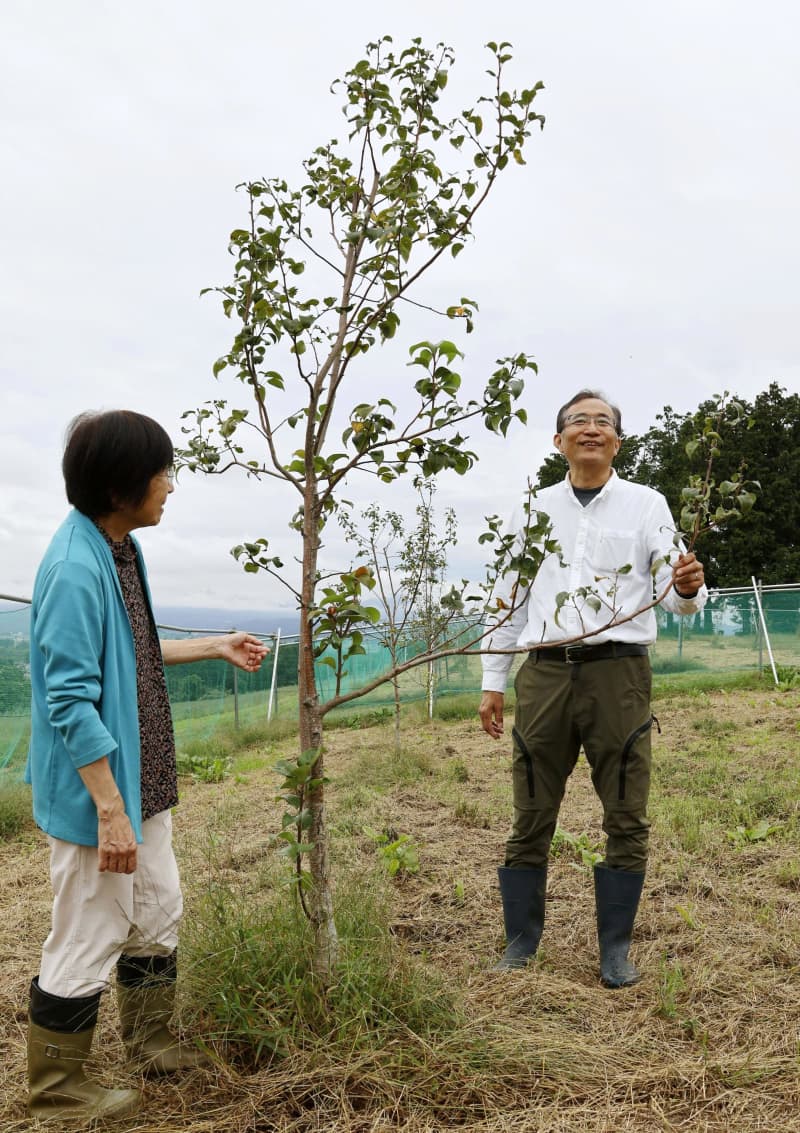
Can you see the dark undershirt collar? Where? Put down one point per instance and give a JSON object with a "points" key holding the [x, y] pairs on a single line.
{"points": [[585, 496]]}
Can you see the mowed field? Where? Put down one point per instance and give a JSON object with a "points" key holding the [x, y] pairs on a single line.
{"points": [[708, 1041]]}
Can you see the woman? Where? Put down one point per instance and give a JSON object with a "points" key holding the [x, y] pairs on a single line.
{"points": [[102, 769]]}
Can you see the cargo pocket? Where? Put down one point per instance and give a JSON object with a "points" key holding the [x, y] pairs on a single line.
{"points": [[527, 760], [642, 730]]}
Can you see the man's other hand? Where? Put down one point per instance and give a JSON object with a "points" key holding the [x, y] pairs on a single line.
{"points": [[490, 711]]}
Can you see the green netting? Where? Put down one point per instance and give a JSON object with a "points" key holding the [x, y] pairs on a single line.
{"points": [[15, 687], [207, 695], [727, 633]]}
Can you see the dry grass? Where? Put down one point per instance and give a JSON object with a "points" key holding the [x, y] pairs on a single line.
{"points": [[708, 1042]]}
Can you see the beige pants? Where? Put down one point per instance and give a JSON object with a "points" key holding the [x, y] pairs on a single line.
{"points": [[98, 916]]}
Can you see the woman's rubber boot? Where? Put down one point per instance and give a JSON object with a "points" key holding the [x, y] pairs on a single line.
{"points": [[523, 892], [617, 893], [60, 1033], [146, 998]]}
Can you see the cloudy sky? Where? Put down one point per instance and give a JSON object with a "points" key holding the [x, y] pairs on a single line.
{"points": [[650, 246]]}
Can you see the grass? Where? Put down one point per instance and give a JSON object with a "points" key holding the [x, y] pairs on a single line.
{"points": [[15, 808], [696, 683]]}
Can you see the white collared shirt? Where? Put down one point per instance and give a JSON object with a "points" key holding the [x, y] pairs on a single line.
{"points": [[625, 524]]}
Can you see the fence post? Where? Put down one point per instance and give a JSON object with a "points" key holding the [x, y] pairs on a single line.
{"points": [[759, 640], [235, 693], [756, 589], [274, 681]]}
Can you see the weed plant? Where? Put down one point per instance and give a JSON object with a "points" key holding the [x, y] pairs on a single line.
{"points": [[397, 853], [470, 813], [580, 847], [363, 718], [459, 771], [206, 761]]}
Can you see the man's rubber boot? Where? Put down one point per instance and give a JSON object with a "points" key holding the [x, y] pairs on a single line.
{"points": [[146, 999], [617, 893], [523, 892], [60, 1033]]}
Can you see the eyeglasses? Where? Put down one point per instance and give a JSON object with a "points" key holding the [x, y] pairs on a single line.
{"points": [[581, 420], [168, 474]]}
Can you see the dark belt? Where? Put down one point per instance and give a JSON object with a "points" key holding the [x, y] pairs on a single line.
{"points": [[578, 654]]}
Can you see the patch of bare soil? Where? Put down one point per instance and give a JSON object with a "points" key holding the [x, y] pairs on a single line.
{"points": [[708, 1042]]}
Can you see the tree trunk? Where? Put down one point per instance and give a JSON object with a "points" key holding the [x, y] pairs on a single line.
{"points": [[396, 688], [326, 941]]}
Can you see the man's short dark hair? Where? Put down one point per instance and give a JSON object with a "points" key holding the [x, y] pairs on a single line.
{"points": [[110, 459], [582, 395]]}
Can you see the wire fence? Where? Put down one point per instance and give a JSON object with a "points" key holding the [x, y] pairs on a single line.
{"points": [[755, 628]]}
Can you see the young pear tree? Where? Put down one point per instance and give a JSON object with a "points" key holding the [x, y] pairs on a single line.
{"points": [[409, 566], [437, 618], [374, 216]]}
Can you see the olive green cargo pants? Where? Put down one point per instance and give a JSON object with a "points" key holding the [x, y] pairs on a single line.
{"points": [[604, 707]]}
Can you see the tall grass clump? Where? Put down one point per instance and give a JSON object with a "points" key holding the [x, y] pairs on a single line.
{"points": [[250, 989], [372, 765]]}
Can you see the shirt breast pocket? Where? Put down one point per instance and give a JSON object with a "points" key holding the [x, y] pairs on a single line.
{"points": [[615, 552]]}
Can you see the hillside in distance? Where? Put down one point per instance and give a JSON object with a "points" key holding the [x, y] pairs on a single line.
{"points": [[15, 619], [218, 618]]}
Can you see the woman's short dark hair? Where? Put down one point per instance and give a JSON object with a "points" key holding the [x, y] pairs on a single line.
{"points": [[583, 395], [110, 459]]}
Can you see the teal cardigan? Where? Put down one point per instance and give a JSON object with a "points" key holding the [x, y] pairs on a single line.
{"points": [[83, 683]]}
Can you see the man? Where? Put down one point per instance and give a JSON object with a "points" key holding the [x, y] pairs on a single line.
{"points": [[102, 768], [594, 693]]}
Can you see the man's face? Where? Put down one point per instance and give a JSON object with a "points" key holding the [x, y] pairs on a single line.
{"points": [[587, 441]]}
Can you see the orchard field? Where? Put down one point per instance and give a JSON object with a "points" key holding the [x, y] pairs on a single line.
{"points": [[419, 1034]]}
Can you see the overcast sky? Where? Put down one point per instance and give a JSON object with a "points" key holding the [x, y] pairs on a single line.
{"points": [[650, 246]]}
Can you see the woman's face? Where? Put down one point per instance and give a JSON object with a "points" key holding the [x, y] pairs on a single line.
{"points": [[148, 512]]}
